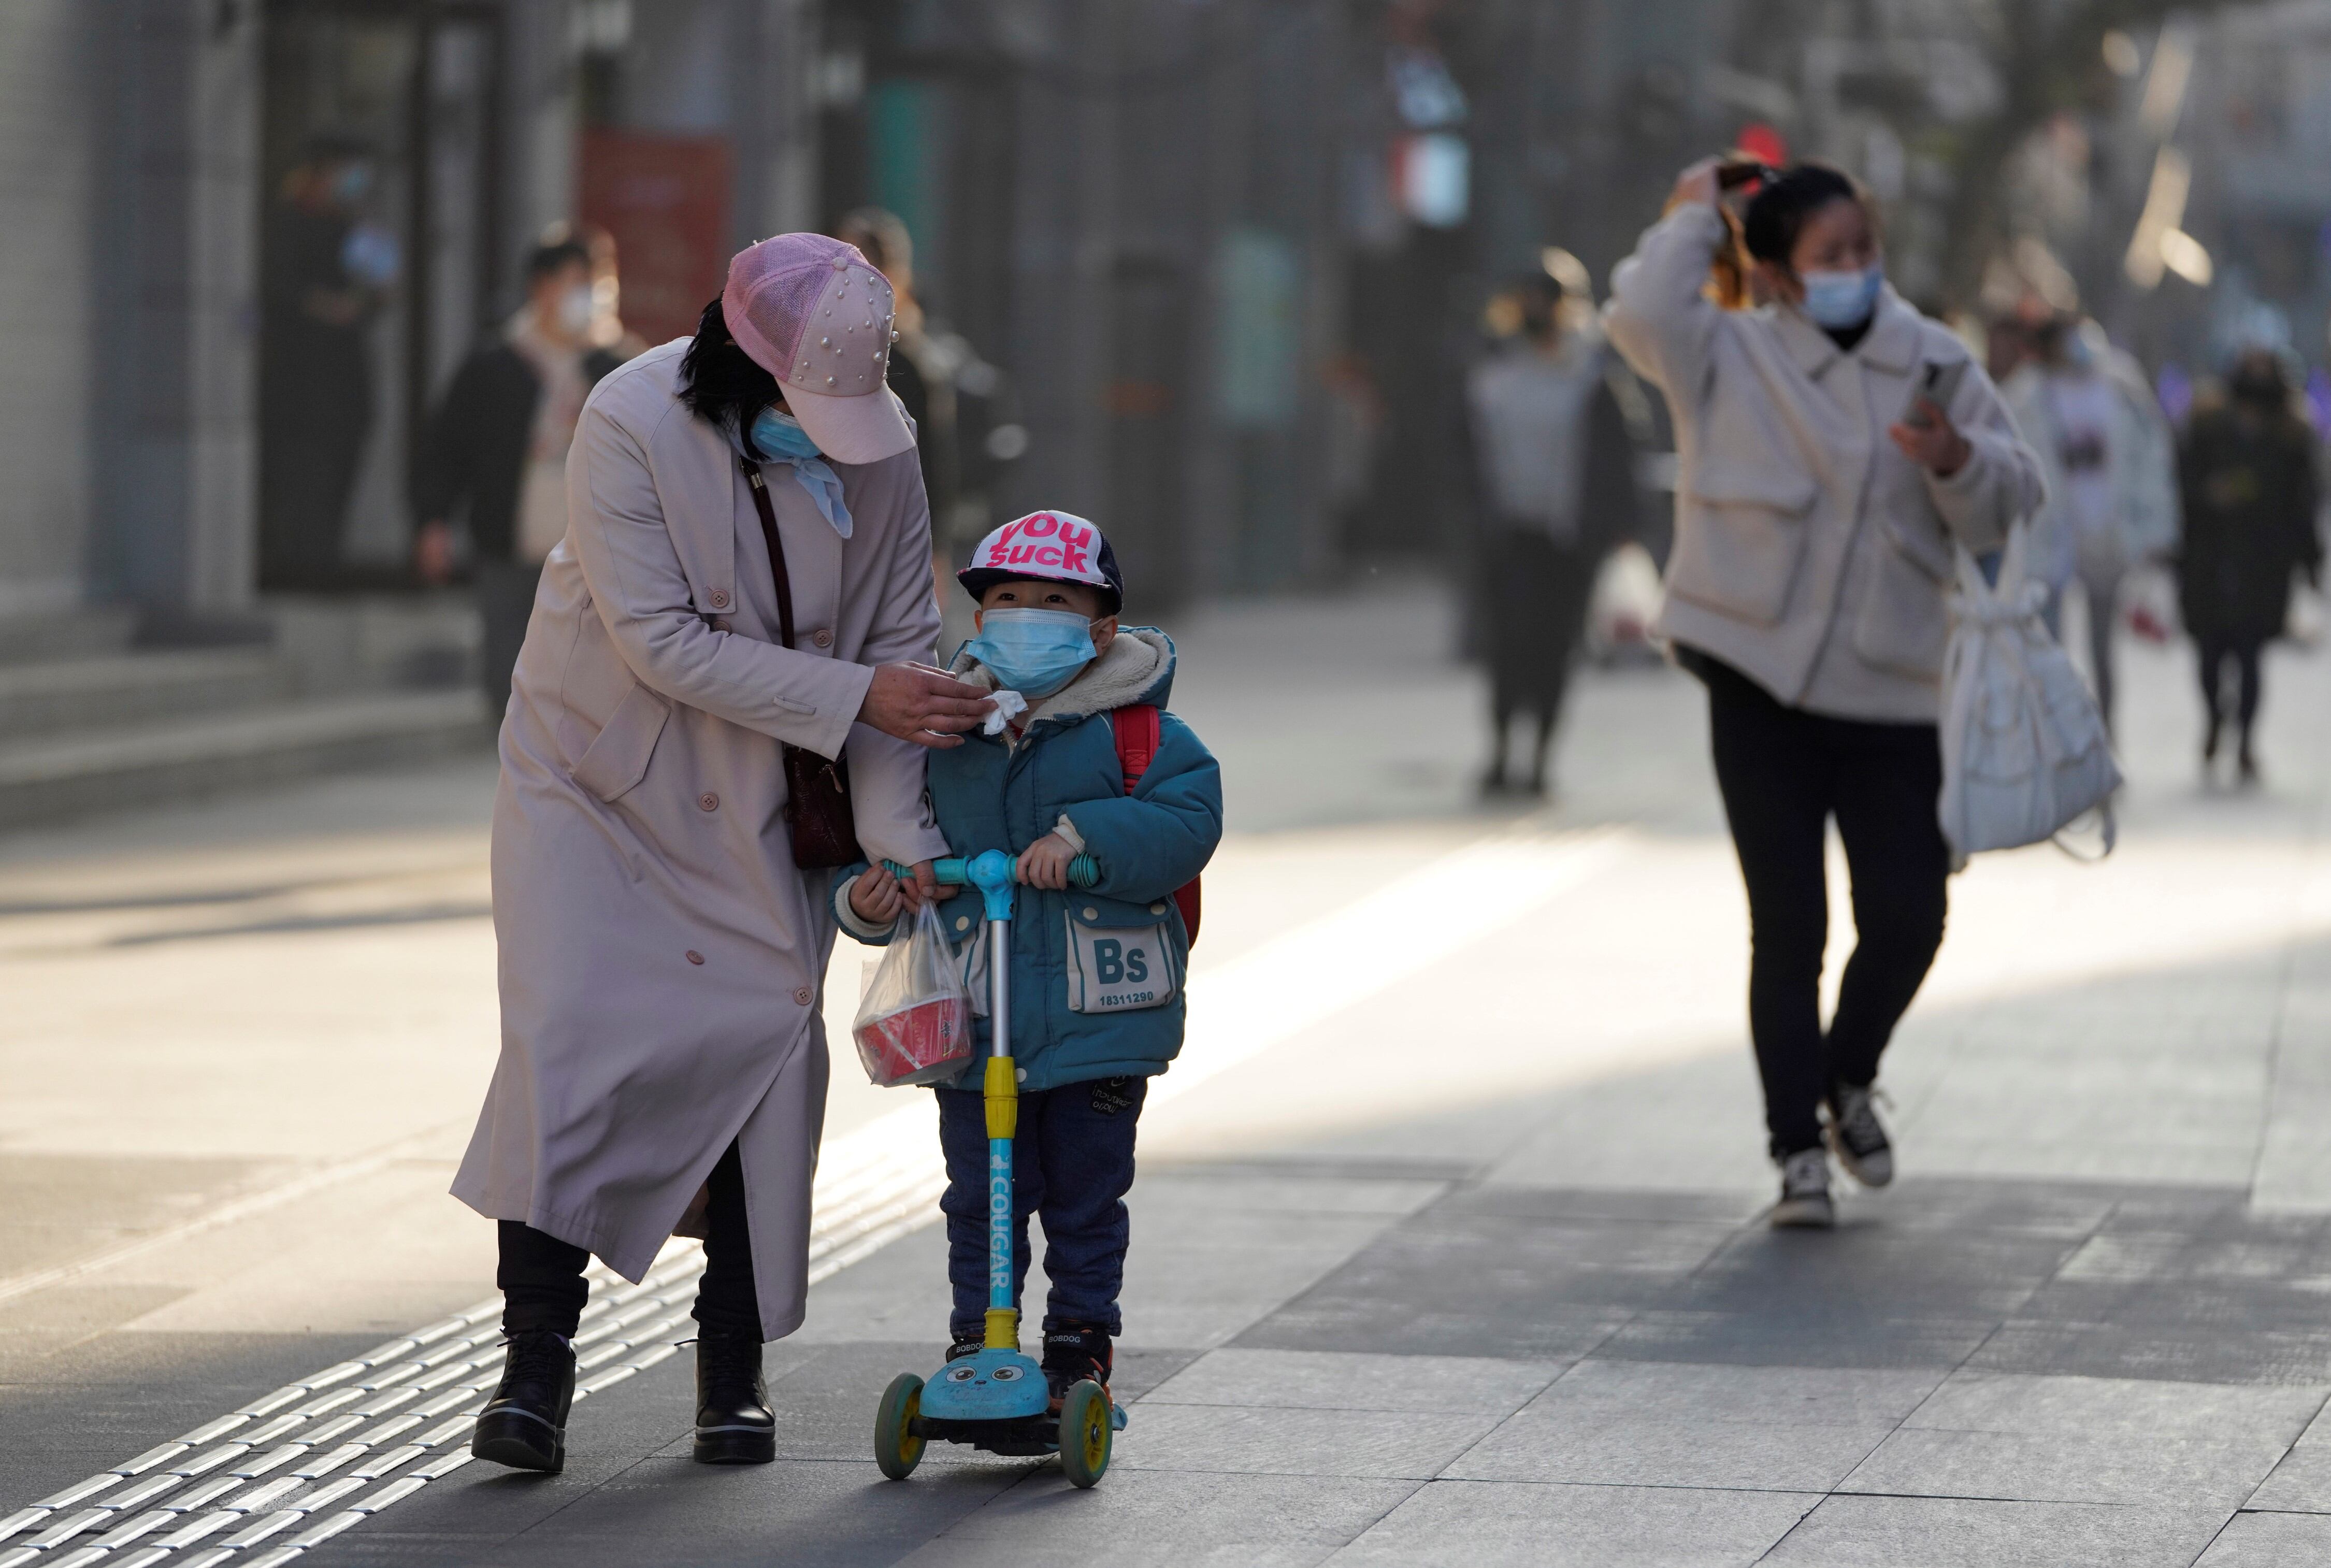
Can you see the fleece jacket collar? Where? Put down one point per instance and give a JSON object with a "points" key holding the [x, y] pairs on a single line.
{"points": [[1137, 668]]}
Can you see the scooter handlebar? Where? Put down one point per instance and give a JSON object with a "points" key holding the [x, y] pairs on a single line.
{"points": [[955, 871]]}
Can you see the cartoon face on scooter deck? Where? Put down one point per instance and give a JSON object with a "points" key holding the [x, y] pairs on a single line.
{"points": [[997, 1398], [994, 1385]]}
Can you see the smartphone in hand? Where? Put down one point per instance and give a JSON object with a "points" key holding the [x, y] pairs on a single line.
{"points": [[1938, 383]]}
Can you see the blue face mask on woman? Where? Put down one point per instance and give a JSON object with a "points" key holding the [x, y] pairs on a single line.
{"points": [[1034, 652], [780, 438], [1838, 300]]}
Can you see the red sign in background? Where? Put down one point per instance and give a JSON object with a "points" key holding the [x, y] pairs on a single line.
{"points": [[665, 199]]}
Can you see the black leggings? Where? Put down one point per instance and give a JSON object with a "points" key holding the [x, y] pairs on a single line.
{"points": [[1784, 773], [542, 1284], [2215, 650]]}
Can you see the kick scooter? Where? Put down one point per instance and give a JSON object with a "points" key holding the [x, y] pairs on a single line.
{"points": [[995, 1399]]}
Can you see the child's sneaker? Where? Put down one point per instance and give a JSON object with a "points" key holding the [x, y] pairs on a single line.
{"points": [[963, 1348], [1074, 1351]]}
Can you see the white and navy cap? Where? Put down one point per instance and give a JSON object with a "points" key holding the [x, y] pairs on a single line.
{"points": [[1046, 547]]}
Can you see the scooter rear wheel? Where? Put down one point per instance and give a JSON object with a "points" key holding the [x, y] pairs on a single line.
{"points": [[897, 1447], [1086, 1430]]}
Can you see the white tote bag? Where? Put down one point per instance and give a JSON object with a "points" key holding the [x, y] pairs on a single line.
{"points": [[2024, 751]]}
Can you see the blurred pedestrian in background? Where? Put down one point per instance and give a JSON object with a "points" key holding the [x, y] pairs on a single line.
{"points": [[1819, 499], [494, 450], [328, 274], [967, 428], [2109, 460], [2246, 471], [1554, 474]]}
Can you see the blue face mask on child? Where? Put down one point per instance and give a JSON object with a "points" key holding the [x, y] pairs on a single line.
{"points": [[1838, 300], [1033, 652]]}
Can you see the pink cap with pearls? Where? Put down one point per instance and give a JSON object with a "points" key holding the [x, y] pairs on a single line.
{"points": [[811, 312]]}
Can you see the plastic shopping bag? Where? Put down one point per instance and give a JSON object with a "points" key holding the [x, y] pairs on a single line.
{"points": [[914, 1024], [2024, 749]]}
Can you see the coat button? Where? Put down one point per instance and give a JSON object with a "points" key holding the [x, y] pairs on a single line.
{"points": [[1158, 908], [719, 598], [963, 922], [823, 638], [1092, 913], [720, 623], [805, 995], [708, 801], [694, 957]]}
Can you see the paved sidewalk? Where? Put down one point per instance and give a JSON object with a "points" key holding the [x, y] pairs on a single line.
{"points": [[1456, 1257]]}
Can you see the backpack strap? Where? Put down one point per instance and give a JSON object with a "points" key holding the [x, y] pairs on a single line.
{"points": [[1135, 729]]}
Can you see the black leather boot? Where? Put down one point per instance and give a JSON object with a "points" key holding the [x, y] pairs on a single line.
{"points": [[733, 1423], [524, 1425]]}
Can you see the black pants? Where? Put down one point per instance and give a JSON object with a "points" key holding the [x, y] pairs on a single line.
{"points": [[1784, 773], [505, 604], [2243, 651], [1072, 1164], [1536, 593], [541, 1276]]}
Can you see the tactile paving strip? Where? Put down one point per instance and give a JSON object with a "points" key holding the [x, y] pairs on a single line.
{"points": [[398, 1416]]}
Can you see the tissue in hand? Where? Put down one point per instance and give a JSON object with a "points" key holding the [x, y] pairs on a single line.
{"points": [[1009, 706]]}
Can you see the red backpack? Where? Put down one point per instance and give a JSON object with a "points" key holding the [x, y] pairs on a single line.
{"points": [[1136, 728]]}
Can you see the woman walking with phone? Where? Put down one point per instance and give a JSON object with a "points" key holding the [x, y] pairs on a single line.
{"points": [[1835, 446]]}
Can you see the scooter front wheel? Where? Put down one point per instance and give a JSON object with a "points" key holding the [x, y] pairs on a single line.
{"points": [[897, 1448], [1085, 1429]]}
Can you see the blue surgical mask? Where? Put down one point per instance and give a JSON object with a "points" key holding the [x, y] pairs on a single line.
{"points": [[1034, 652], [1838, 300], [780, 438]]}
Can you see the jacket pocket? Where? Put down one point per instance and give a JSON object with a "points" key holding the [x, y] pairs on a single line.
{"points": [[1121, 957], [1904, 620], [1742, 538], [617, 757]]}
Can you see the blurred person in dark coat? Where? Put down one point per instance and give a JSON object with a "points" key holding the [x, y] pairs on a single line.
{"points": [[967, 426], [1554, 469], [2246, 469], [324, 276], [495, 449]]}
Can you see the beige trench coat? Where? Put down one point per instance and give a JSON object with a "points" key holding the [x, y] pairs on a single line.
{"points": [[660, 955]]}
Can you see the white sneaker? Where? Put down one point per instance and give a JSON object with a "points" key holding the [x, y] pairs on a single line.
{"points": [[1857, 1137], [1804, 1202]]}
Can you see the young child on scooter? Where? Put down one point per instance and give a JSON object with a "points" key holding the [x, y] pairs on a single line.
{"points": [[1096, 973]]}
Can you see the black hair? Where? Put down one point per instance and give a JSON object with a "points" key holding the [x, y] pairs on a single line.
{"points": [[718, 381], [1778, 211], [552, 255]]}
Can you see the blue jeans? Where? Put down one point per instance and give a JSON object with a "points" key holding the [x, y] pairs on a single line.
{"points": [[1072, 1163]]}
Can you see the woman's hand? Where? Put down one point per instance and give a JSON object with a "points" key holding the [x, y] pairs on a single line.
{"points": [[1045, 863], [877, 898], [1936, 446], [928, 707], [1698, 183]]}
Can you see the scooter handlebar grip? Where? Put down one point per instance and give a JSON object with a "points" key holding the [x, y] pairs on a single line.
{"points": [[1084, 870], [950, 871]]}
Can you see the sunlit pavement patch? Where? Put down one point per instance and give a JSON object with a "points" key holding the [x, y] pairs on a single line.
{"points": [[262, 1484], [320, 1456]]}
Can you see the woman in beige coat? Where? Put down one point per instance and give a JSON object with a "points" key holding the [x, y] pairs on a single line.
{"points": [[661, 952], [1819, 502]]}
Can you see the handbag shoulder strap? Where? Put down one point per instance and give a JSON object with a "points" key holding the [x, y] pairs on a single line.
{"points": [[776, 548]]}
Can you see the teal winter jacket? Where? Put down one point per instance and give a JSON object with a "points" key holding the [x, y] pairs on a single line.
{"points": [[1096, 973]]}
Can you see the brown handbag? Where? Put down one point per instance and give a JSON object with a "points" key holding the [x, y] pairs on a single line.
{"points": [[817, 791]]}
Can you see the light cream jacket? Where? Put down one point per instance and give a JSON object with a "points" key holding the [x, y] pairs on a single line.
{"points": [[1810, 553], [660, 955]]}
